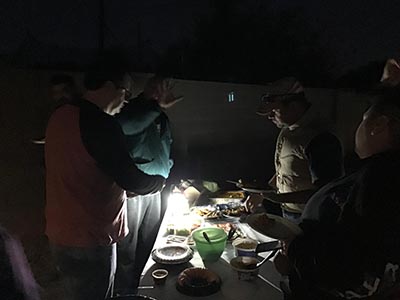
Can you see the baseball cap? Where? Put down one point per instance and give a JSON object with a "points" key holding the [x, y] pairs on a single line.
{"points": [[283, 88]]}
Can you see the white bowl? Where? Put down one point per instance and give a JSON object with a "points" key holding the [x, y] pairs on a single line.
{"points": [[245, 247]]}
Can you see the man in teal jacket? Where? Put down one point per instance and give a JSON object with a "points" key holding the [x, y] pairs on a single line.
{"points": [[147, 130]]}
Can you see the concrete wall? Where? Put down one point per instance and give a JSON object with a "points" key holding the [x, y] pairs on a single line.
{"points": [[217, 139], [213, 138]]}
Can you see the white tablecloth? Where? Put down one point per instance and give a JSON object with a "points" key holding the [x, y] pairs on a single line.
{"points": [[266, 286]]}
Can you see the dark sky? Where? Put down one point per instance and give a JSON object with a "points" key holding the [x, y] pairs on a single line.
{"points": [[357, 31]]}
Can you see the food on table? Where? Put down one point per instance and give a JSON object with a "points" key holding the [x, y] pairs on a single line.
{"points": [[207, 212], [178, 231], [172, 254], [231, 194], [197, 277], [184, 225], [198, 282], [224, 226], [246, 245], [234, 212], [227, 197], [176, 239]]}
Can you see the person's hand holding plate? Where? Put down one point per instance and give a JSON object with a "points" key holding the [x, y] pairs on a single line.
{"points": [[252, 202]]}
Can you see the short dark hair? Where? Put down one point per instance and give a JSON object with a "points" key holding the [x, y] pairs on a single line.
{"points": [[108, 67]]}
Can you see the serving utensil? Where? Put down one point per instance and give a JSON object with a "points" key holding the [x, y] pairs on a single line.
{"points": [[234, 182], [273, 252], [206, 237], [231, 232]]}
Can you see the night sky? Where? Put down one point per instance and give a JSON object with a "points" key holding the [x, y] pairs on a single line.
{"points": [[357, 31]]}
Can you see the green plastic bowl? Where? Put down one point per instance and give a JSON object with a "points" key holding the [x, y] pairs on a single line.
{"points": [[210, 251]]}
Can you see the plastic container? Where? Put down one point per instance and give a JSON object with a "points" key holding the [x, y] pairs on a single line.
{"points": [[210, 250], [245, 247], [159, 276], [245, 267]]}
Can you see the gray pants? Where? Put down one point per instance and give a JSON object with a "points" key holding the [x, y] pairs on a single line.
{"points": [[144, 218], [86, 273]]}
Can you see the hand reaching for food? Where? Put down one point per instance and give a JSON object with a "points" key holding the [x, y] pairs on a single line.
{"points": [[282, 264], [253, 201]]}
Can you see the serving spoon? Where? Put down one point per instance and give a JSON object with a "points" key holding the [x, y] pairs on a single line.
{"points": [[206, 237]]}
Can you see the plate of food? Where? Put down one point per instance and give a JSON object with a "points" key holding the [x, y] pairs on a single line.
{"points": [[223, 197], [258, 190], [234, 212], [172, 254], [274, 226], [207, 212]]}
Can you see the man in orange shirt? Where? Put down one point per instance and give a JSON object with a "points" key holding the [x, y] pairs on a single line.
{"points": [[88, 170]]}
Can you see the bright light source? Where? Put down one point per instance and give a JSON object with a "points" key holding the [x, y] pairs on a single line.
{"points": [[177, 203]]}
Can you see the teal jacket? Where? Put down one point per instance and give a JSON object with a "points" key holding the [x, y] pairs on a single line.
{"points": [[148, 135]]}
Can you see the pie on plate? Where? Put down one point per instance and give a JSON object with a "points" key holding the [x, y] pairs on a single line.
{"points": [[172, 254]]}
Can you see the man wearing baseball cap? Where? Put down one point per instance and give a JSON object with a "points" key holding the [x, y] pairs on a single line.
{"points": [[307, 154]]}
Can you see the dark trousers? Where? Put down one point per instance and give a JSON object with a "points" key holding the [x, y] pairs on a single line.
{"points": [[86, 273], [144, 218]]}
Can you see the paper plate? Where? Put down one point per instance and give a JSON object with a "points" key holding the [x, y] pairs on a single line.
{"points": [[280, 228], [257, 190], [172, 254]]}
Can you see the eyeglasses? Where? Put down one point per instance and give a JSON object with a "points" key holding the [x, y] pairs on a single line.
{"points": [[128, 93]]}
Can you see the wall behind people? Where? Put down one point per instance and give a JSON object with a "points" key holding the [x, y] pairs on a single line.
{"points": [[213, 138], [24, 103]]}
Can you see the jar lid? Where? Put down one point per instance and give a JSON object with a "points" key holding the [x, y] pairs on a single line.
{"points": [[214, 234]]}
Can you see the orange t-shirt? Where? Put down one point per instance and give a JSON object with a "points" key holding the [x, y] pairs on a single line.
{"points": [[85, 206]]}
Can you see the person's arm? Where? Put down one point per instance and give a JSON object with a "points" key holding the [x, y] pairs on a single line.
{"points": [[138, 115], [272, 182], [105, 142], [321, 258], [325, 157], [254, 200], [293, 197], [378, 207]]}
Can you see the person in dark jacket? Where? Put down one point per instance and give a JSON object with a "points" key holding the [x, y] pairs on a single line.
{"points": [[147, 130], [350, 247]]}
